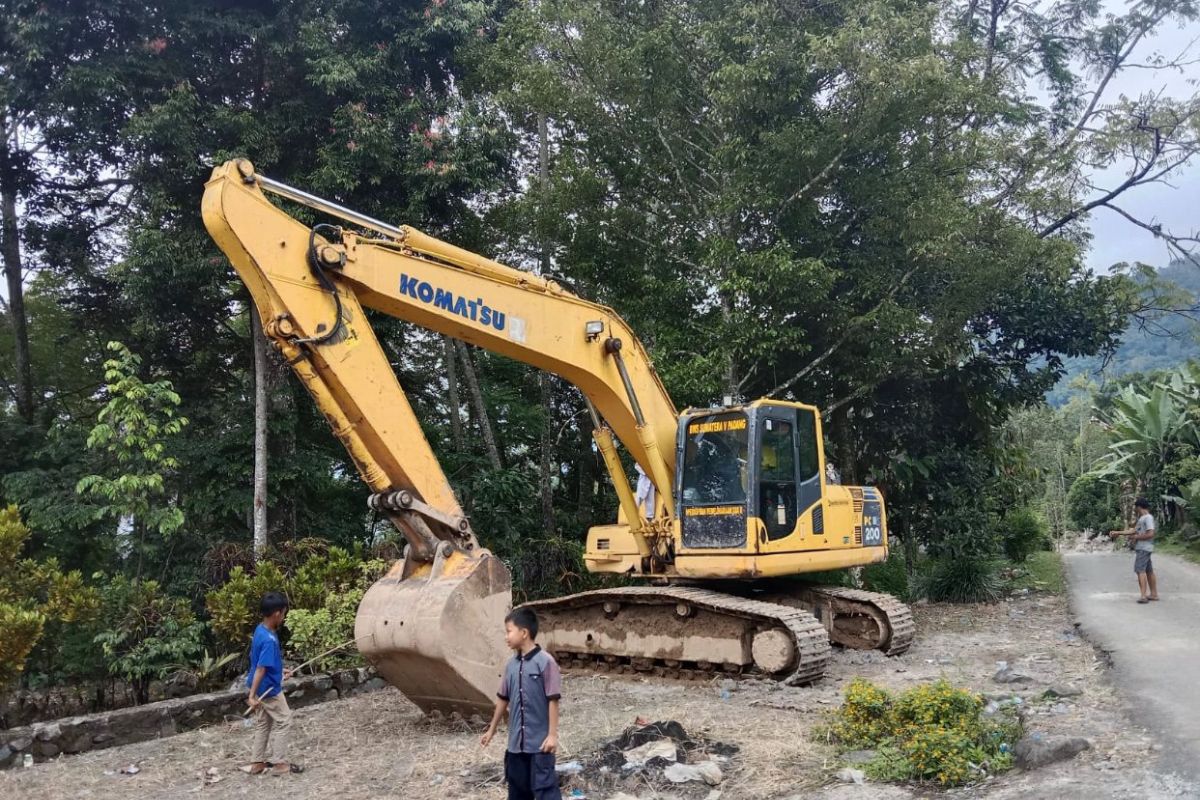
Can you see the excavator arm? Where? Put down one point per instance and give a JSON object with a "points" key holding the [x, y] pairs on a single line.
{"points": [[311, 287]]}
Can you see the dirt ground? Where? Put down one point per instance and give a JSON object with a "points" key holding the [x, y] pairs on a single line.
{"points": [[378, 745]]}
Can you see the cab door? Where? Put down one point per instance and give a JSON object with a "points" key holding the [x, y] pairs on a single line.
{"points": [[788, 479], [777, 492]]}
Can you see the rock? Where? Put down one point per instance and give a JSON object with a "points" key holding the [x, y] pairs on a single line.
{"points": [[44, 733], [21, 743], [374, 684], [46, 749], [1035, 751], [706, 771], [1006, 675], [848, 775], [1061, 690], [6, 756], [640, 756], [79, 743], [859, 756], [715, 794], [332, 694]]}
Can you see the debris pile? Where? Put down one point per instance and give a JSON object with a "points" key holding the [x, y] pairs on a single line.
{"points": [[653, 756]]}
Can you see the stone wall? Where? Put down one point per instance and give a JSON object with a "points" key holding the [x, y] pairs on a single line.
{"points": [[45, 740]]}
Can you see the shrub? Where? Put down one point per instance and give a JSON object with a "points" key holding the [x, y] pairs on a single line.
{"points": [[314, 632], [863, 719], [20, 630], [961, 580], [323, 592], [1024, 532], [145, 633], [549, 567], [933, 732], [35, 596], [890, 577], [233, 607]]}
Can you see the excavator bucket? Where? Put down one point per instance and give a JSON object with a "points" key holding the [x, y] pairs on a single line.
{"points": [[435, 630]]}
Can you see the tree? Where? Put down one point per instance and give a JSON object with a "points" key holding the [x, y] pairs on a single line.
{"points": [[261, 372], [818, 207], [69, 73], [134, 429]]}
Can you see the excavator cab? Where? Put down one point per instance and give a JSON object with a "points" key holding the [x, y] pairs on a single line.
{"points": [[753, 500]]}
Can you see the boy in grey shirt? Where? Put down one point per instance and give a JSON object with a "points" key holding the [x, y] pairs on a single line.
{"points": [[1142, 536], [529, 692]]}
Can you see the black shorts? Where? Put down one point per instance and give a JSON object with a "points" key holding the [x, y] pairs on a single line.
{"points": [[531, 776], [1141, 561]]}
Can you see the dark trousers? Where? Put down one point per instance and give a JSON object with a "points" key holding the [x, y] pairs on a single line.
{"points": [[531, 776]]}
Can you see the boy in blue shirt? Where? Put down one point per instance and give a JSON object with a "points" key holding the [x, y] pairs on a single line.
{"points": [[272, 717], [529, 692]]}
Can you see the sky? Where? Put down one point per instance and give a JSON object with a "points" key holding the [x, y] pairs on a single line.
{"points": [[1176, 206]]}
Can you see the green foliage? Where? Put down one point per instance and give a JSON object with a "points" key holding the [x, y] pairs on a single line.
{"points": [[323, 591], [961, 580], [549, 567], [863, 721], [1092, 504], [233, 606], [134, 429], [146, 634], [209, 671], [932, 732], [34, 596], [316, 631], [1024, 533], [890, 577]]}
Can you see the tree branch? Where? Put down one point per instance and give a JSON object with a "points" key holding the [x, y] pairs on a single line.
{"points": [[850, 327], [1173, 241]]}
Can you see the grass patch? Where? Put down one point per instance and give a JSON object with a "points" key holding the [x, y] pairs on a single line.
{"points": [[1186, 550], [1041, 572]]}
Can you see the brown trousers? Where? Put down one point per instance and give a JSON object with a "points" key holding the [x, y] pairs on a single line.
{"points": [[271, 722]]}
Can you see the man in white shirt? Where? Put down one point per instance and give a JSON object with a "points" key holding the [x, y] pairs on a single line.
{"points": [[1142, 536], [644, 496]]}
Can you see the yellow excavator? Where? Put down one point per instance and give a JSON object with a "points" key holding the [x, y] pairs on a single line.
{"points": [[735, 498]]}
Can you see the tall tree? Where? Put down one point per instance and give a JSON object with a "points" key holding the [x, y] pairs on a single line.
{"points": [[817, 203], [62, 111]]}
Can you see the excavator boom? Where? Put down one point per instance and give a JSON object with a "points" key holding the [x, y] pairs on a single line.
{"points": [[429, 626]]}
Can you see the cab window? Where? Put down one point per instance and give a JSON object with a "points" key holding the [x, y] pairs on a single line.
{"points": [[714, 471], [777, 476]]}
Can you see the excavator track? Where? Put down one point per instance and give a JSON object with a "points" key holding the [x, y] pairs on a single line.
{"points": [[855, 618], [684, 632]]}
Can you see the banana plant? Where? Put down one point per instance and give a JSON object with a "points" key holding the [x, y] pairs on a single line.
{"points": [[1145, 429]]}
